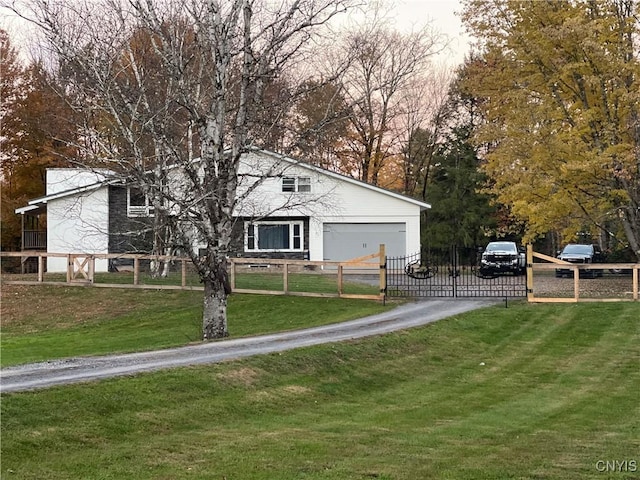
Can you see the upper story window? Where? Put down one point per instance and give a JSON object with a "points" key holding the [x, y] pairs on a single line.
{"points": [[296, 184], [138, 204]]}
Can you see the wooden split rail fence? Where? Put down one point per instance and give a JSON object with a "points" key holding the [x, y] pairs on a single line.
{"points": [[549, 265], [81, 271]]}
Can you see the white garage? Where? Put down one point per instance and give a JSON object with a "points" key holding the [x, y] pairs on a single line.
{"points": [[348, 218], [344, 241]]}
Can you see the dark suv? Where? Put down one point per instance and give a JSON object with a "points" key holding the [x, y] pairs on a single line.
{"points": [[500, 258], [580, 254]]}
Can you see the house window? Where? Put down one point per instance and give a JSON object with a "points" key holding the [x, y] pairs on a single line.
{"points": [[138, 204], [274, 236], [288, 184], [296, 184], [304, 184]]}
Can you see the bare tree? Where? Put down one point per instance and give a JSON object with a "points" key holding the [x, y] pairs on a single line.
{"points": [[179, 86], [424, 121], [385, 63], [320, 119]]}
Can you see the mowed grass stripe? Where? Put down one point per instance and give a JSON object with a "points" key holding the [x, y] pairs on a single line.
{"points": [[552, 398]]}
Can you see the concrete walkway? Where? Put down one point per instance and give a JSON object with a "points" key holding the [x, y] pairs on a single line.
{"points": [[84, 369]]}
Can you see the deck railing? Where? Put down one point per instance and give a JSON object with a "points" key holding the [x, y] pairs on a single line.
{"points": [[34, 239]]}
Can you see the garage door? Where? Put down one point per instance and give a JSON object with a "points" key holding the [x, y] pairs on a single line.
{"points": [[344, 241]]}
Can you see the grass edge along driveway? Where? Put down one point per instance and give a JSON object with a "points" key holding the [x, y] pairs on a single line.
{"points": [[532, 391], [52, 322], [83, 369]]}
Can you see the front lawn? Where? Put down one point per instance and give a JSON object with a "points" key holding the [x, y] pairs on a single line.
{"points": [[525, 392], [46, 322]]}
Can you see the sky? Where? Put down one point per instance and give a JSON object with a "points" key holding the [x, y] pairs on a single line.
{"points": [[407, 15], [442, 14]]}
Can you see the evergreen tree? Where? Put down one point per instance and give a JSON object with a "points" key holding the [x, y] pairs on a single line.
{"points": [[461, 214]]}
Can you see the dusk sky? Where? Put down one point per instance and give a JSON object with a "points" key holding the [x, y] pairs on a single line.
{"points": [[443, 15], [407, 13]]}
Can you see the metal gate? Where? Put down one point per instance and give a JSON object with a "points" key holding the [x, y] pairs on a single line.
{"points": [[453, 273]]}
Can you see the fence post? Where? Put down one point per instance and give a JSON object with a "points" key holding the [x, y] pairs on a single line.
{"points": [[184, 272], [40, 268], [92, 268], [635, 273], [136, 270], [529, 272], [232, 274], [383, 271], [340, 269], [69, 268], [285, 278]]}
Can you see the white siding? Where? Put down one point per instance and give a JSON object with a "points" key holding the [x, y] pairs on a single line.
{"points": [[331, 200], [329, 196], [78, 224], [62, 179], [361, 205], [267, 199]]}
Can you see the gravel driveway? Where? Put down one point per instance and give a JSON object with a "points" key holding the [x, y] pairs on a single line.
{"points": [[84, 369]]}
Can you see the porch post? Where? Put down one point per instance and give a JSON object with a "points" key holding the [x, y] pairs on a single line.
{"points": [[22, 259], [22, 234]]}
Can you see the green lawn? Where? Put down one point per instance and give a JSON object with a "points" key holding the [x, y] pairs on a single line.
{"points": [[46, 322], [525, 392]]}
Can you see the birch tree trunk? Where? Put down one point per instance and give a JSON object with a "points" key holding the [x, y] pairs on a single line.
{"points": [[214, 323]]}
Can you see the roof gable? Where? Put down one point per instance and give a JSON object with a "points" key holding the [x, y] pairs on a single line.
{"points": [[37, 202], [343, 178]]}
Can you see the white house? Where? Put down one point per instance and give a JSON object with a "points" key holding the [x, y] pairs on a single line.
{"points": [[297, 211]]}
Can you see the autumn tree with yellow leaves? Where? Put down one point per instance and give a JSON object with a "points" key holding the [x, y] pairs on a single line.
{"points": [[559, 87]]}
